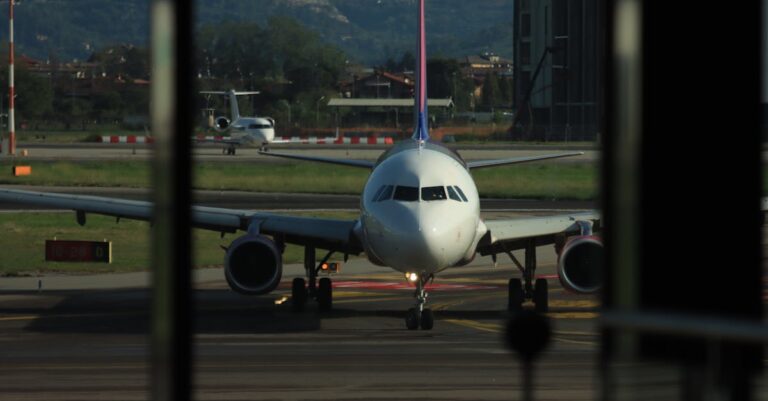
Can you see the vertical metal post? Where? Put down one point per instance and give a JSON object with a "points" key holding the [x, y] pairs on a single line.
{"points": [[621, 120], [11, 94], [172, 116], [309, 266]]}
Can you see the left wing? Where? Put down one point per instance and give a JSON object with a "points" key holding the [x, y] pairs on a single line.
{"points": [[511, 234], [322, 233]]}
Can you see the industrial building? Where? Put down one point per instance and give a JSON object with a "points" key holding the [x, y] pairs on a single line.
{"points": [[556, 69]]}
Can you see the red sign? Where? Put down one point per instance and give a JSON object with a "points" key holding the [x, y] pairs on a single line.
{"points": [[78, 251]]}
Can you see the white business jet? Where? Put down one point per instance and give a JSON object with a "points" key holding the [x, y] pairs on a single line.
{"points": [[243, 131], [420, 215]]}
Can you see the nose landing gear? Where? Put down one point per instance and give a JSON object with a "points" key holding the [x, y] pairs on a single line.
{"points": [[420, 316]]}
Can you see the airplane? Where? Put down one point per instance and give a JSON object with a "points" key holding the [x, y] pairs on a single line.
{"points": [[419, 215], [243, 131]]}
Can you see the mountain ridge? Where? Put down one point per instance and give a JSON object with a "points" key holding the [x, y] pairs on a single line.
{"points": [[368, 31]]}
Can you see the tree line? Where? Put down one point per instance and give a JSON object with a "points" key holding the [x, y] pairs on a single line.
{"points": [[292, 67]]}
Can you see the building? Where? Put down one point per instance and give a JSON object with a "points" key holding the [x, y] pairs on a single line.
{"points": [[560, 102], [379, 85], [479, 65]]}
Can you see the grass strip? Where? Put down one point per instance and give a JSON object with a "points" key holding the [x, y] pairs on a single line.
{"points": [[544, 180], [25, 235]]}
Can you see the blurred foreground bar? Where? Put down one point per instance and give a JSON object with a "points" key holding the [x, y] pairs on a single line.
{"points": [[684, 308], [171, 91]]}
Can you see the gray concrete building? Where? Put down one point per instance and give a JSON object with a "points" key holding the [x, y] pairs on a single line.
{"points": [[560, 39]]}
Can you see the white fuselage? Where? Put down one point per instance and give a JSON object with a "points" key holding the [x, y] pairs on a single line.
{"points": [[427, 224], [252, 131]]}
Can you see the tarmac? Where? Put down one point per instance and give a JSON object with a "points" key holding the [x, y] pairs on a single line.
{"points": [[86, 338]]}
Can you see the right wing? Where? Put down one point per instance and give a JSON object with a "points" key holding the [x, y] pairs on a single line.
{"points": [[344, 162], [515, 160], [506, 235], [320, 232]]}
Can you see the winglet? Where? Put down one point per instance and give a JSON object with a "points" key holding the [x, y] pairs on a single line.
{"points": [[421, 133]]}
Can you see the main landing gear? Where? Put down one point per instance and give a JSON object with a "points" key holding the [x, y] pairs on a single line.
{"points": [[321, 290], [520, 290], [229, 151], [420, 316]]}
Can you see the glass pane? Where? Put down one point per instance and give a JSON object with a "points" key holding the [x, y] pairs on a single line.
{"points": [[453, 195], [432, 193], [386, 194], [408, 194], [461, 193], [375, 196]]}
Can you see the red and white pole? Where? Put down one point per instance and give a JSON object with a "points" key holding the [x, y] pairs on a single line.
{"points": [[11, 100]]}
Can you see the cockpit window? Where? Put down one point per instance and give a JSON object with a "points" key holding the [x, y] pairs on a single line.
{"points": [[452, 194], [408, 194], [375, 197], [461, 193], [384, 193], [432, 193], [259, 126]]}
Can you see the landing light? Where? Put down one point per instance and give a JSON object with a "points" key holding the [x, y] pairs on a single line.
{"points": [[412, 277]]}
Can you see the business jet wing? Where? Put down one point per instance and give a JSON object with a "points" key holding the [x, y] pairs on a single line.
{"points": [[320, 232], [505, 235], [514, 160]]}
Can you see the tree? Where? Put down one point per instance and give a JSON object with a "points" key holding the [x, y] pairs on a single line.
{"points": [[491, 91]]}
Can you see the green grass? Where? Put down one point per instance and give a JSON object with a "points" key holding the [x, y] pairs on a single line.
{"points": [[544, 180], [25, 234]]}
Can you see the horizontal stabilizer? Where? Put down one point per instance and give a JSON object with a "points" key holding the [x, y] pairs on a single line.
{"points": [[516, 160], [343, 162]]}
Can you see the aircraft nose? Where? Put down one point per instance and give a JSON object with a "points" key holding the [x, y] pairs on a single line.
{"points": [[426, 238]]}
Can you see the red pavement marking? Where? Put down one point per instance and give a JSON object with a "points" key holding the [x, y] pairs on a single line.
{"points": [[379, 285]]}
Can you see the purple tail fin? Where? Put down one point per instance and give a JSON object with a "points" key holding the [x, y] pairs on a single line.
{"points": [[421, 132]]}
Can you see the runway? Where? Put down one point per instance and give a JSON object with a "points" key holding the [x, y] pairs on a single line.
{"points": [[91, 344]]}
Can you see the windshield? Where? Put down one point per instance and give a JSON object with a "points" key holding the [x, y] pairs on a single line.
{"points": [[407, 194], [432, 193]]}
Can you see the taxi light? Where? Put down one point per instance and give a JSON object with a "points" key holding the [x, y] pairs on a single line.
{"points": [[329, 268], [412, 277]]}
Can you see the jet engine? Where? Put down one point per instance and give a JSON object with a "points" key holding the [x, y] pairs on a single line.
{"points": [[221, 123], [580, 264], [253, 265]]}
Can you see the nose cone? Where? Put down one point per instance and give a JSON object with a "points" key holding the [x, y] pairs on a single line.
{"points": [[424, 237]]}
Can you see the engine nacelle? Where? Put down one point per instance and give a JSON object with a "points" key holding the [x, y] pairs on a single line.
{"points": [[580, 264], [221, 123], [253, 265]]}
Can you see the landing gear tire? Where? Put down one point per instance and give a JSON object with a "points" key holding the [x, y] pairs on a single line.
{"points": [[541, 296], [298, 294], [412, 319], [516, 295], [427, 319], [324, 295]]}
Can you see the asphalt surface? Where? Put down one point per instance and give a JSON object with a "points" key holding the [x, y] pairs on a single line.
{"points": [[87, 339]]}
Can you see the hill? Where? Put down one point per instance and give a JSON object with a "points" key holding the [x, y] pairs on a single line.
{"points": [[369, 31]]}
